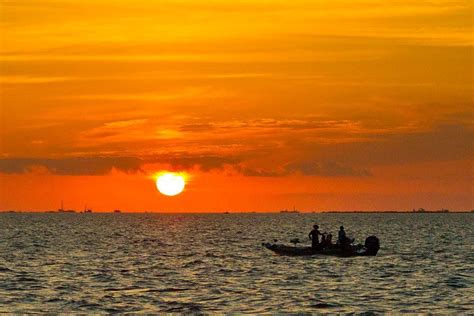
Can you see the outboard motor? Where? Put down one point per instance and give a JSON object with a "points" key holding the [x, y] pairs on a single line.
{"points": [[372, 245]]}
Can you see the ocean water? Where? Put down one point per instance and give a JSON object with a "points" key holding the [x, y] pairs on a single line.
{"points": [[213, 263]]}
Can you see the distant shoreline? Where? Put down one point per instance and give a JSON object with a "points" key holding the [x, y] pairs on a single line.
{"points": [[237, 212]]}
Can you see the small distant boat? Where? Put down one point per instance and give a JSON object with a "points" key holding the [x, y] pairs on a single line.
{"points": [[370, 248]]}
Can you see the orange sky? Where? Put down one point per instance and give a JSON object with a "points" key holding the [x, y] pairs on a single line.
{"points": [[322, 105]]}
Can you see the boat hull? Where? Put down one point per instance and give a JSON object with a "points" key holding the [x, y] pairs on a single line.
{"points": [[370, 249]]}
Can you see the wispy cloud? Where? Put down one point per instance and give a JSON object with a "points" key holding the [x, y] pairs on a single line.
{"points": [[31, 79], [326, 169]]}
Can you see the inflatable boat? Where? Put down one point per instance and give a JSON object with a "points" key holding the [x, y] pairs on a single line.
{"points": [[370, 248]]}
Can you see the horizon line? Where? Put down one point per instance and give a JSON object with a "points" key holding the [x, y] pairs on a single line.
{"points": [[443, 211]]}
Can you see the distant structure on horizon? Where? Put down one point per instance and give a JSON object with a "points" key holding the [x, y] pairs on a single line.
{"points": [[422, 210], [62, 207], [62, 210], [117, 211], [293, 211], [87, 210]]}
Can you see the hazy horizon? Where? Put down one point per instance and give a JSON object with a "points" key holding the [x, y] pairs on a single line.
{"points": [[79, 211]]}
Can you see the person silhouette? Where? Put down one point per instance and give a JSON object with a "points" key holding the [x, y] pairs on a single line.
{"points": [[314, 236], [329, 240], [342, 238]]}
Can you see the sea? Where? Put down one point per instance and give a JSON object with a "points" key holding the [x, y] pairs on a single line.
{"points": [[215, 263]]}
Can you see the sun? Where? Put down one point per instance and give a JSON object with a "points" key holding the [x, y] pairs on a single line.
{"points": [[170, 183]]}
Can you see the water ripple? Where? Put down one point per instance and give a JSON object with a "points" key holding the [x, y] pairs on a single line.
{"points": [[197, 263]]}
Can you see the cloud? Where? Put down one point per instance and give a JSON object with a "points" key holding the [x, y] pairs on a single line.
{"points": [[326, 169], [258, 172], [103, 165], [307, 168], [189, 161], [72, 166], [443, 143], [259, 157], [31, 79]]}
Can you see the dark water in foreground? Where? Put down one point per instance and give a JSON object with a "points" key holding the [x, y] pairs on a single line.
{"points": [[215, 263]]}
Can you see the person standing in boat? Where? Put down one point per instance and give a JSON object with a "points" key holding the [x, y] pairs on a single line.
{"points": [[314, 236]]}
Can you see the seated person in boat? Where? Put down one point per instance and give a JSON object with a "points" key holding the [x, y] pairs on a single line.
{"points": [[327, 241], [343, 241], [314, 236]]}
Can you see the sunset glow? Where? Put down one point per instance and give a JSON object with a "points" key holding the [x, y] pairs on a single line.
{"points": [[321, 105]]}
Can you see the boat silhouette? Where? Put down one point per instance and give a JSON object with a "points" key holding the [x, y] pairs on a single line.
{"points": [[370, 248]]}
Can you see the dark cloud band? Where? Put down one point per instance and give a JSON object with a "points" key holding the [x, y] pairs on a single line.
{"points": [[72, 166]]}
